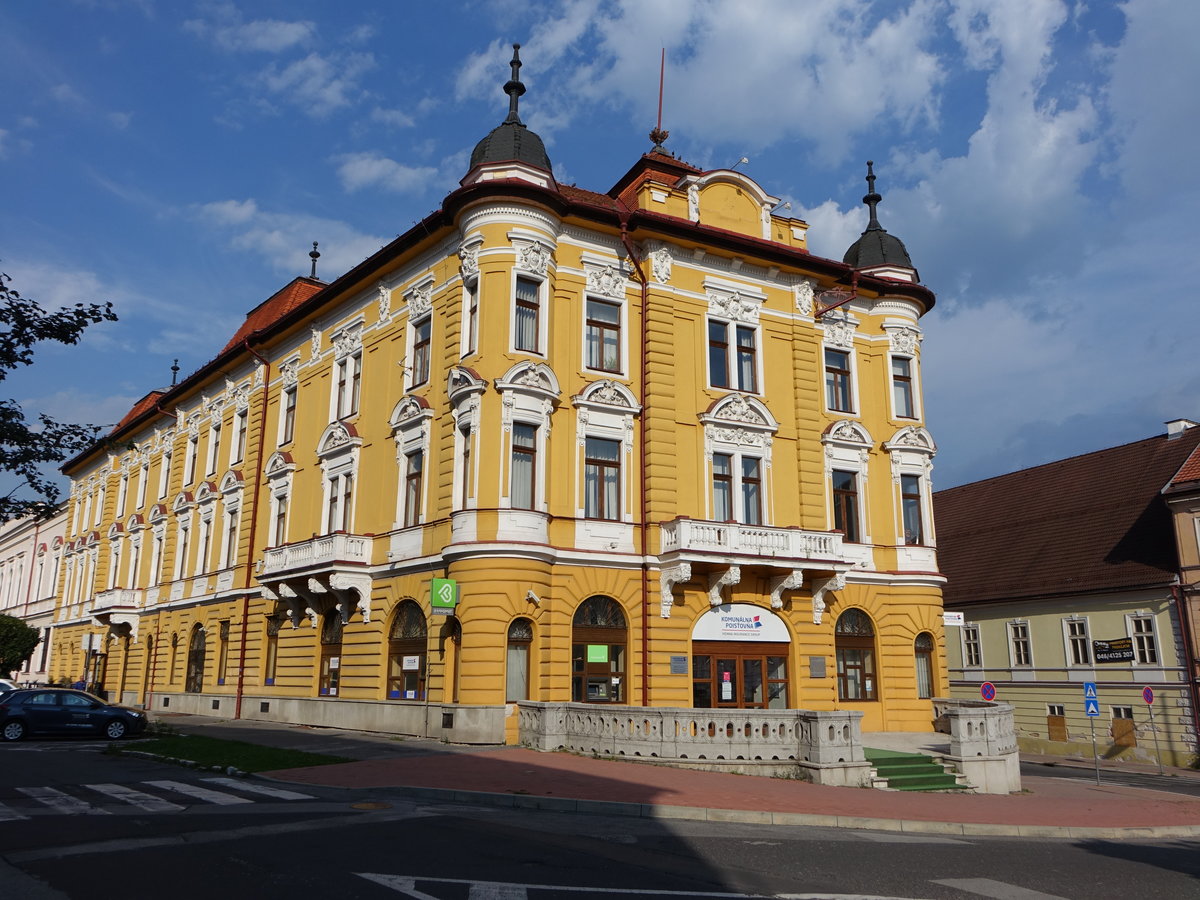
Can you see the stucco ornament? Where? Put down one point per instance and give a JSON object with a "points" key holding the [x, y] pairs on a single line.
{"points": [[420, 299], [290, 372], [693, 195], [347, 341], [533, 258], [608, 281], [840, 334], [717, 582], [660, 265], [804, 297], [820, 588], [733, 305], [793, 580], [468, 256], [316, 341], [667, 579], [384, 299], [904, 340]]}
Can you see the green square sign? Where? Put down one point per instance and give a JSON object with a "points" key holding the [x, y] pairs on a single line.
{"points": [[443, 596]]}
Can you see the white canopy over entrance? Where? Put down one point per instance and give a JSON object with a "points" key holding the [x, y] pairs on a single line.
{"points": [[740, 622]]}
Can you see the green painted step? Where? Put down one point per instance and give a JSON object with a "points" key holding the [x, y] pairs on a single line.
{"points": [[910, 771]]}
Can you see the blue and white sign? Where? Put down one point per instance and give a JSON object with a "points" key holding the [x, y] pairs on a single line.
{"points": [[1089, 690], [740, 622], [1092, 708]]}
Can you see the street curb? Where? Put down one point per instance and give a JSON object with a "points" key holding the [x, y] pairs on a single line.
{"points": [[762, 817]]}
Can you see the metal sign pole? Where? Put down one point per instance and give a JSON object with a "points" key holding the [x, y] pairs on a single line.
{"points": [[1095, 755], [1157, 752]]}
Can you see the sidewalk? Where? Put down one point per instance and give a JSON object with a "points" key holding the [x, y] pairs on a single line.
{"points": [[515, 777]]}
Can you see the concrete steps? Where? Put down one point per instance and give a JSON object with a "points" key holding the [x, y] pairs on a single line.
{"points": [[911, 772]]}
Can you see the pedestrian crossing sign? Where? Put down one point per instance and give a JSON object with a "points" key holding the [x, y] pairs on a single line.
{"points": [[1089, 690], [1091, 707]]}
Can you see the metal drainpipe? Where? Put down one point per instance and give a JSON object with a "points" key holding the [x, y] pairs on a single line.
{"points": [[258, 467], [644, 501], [1185, 626], [158, 616]]}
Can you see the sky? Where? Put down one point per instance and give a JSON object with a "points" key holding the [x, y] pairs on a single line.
{"points": [[179, 158]]}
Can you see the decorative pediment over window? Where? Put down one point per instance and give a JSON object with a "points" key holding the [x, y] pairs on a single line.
{"points": [[748, 412], [735, 305], [158, 512], [231, 481], [468, 254], [115, 531], [608, 395], [410, 412], [846, 433], [182, 503], [531, 378], [606, 280], [463, 381], [348, 339], [912, 439], [340, 437], [280, 463], [206, 493], [419, 297], [135, 523]]}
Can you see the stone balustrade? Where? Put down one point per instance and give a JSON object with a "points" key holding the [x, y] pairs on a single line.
{"points": [[117, 598], [983, 742], [818, 746], [320, 551], [689, 535]]}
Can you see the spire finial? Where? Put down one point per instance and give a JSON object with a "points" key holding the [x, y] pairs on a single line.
{"points": [[513, 87], [314, 256], [174, 372], [872, 199]]}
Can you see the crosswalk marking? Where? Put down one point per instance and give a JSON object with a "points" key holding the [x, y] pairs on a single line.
{"points": [[61, 802], [9, 815], [200, 793], [997, 890], [277, 793], [125, 794]]}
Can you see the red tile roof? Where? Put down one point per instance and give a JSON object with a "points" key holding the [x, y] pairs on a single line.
{"points": [[274, 308], [1089, 523], [142, 406], [1190, 470]]}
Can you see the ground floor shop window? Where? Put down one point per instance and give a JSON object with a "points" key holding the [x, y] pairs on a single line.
{"points": [[331, 655], [195, 662], [854, 640], [739, 675], [408, 644], [599, 638]]}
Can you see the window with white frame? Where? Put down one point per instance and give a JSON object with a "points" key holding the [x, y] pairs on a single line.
{"points": [[912, 503], [1079, 647], [189, 462], [527, 315], [348, 384], [157, 543], [279, 518], [529, 392], [143, 479], [122, 495], [241, 423], [1145, 647], [903, 396], [164, 474], [839, 386], [214, 448], [279, 470], [204, 546], [464, 388], [114, 564], [1020, 646], [602, 478], [422, 333], [1122, 712], [733, 355], [1056, 709], [410, 422], [848, 446], [470, 316], [182, 542], [972, 647], [287, 413], [844, 490], [738, 434], [135, 560], [338, 450], [231, 500], [912, 450], [604, 419], [602, 335], [98, 511]]}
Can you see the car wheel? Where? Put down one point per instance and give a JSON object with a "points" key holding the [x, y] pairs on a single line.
{"points": [[13, 731], [116, 729]]}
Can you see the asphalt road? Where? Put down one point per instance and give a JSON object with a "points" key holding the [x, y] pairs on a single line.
{"points": [[1173, 784], [234, 842]]}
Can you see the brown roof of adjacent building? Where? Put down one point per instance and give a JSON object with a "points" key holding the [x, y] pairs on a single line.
{"points": [[1189, 471], [1089, 523]]}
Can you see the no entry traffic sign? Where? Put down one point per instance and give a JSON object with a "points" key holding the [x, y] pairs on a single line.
{"points": [[1148, 695], [987, 691]]}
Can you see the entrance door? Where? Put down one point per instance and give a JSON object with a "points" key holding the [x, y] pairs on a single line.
{"points": [[739, 675]]}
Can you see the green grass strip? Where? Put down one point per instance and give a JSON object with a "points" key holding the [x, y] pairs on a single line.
{"points": [[208, 751]]}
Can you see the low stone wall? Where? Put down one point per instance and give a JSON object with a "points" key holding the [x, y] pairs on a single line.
{"points": [[452, 723], [983, 743], [823, 747]]}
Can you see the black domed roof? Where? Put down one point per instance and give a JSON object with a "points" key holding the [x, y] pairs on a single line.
{"points": [[875, 247], [512, 140]]}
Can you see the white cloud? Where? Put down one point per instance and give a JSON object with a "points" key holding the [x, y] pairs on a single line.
{"points": [[284, 239], [318, 84], [360, 170], [64, 93], [229, 32], [393, 118], [120, 120]]}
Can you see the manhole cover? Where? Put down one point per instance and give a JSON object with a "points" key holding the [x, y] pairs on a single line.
{"points": [[371, 804]]}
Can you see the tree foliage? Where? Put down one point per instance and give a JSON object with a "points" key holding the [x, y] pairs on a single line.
{"points": [[17, 643], [26, 450]]}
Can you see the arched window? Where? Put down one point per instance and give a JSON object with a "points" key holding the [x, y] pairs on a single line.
{"points": [[174, 659], [923, 651], [331, 655], [599, 637], [854, 639], [195, 661], [408, 643], [520, 636], [271, 655]]}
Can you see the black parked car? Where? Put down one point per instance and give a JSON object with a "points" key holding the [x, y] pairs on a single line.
{"points": [[63, 711]]}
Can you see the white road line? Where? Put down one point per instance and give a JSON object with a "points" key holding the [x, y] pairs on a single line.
{"points": [[9, 815], [998, 890], [148, 802], [194, 790], [277, 793], [63, 803]]}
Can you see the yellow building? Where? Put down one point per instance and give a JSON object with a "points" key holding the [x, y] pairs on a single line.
{"points": [[663, 455]]}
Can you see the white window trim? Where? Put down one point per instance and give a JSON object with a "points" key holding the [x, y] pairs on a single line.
{"points": [[543, 329], [122, 494], [529, 392], [164, 474], [213, 451], [1068, 656], [231, 503], [470, 288], [114, 563], [411, 425], [912, 450], [848, 449], [338, 450], [289, 373], [1154, 632], [464, 389], [347, 356], [607, 410], [913, 387], [191, 458], [241, 433], [279, 471], [838, 334], [904, 341], [973, 627], [1012, 644], [731, 326], [143, 478]]}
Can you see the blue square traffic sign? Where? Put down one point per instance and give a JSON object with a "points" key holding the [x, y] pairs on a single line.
{"points": [[1091, 707], [1089, 690]]}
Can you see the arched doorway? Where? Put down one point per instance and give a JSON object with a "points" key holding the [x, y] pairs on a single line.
{"points": [[408, 647], [194, 683], [854, 643], [740, 659], [599, 641], [331, 655]]}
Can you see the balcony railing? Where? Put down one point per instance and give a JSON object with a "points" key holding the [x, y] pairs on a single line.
{"points": [[115, 599], [698, 535], [320, 551]]}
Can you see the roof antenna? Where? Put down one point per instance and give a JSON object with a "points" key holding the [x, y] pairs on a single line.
{"points": [[514, 88], [174, 372], [872, 199], [314, 255], [658, 135]]}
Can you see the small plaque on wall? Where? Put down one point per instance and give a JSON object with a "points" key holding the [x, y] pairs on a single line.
{"points": [[679, 665], [816, 667]]}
